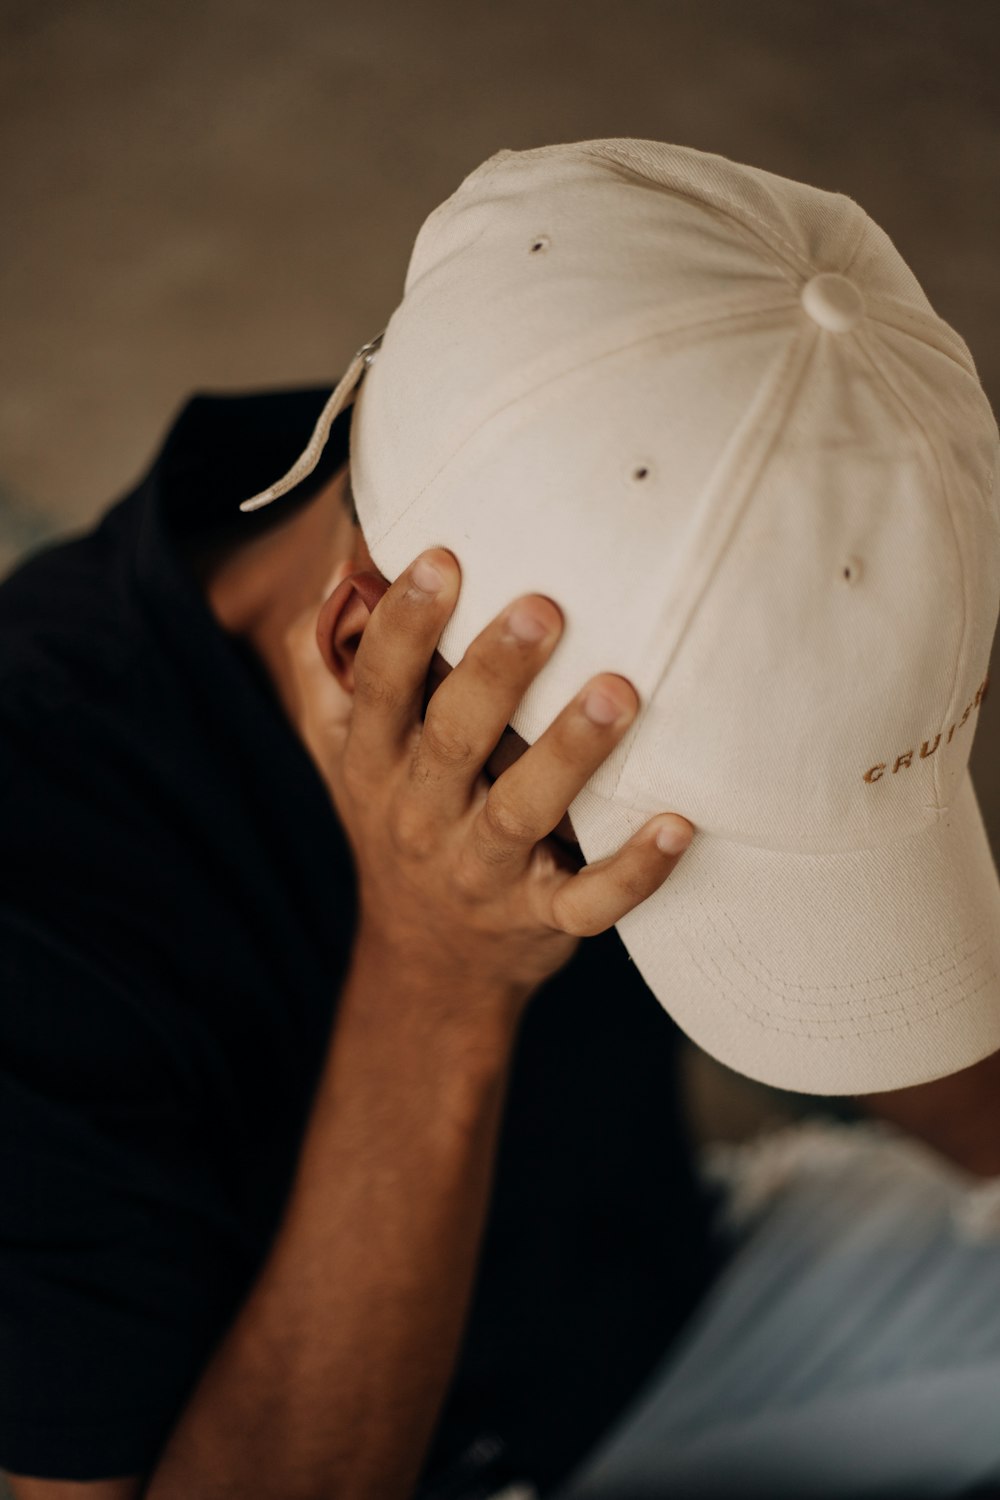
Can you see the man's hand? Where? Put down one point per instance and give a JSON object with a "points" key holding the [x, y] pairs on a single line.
{"points": [[331, 1377], [457, 878]]}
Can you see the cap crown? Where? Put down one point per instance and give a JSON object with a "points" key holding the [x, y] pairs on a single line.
{"points": [[614, 379]]}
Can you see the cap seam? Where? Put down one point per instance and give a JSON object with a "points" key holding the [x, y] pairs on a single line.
{"points": [[926, 433], [736, 313], [848, 267], [738, 213], [754, 1014], [902, 317], [908, 311], [823, 855], [777, 985], [751, 459]]}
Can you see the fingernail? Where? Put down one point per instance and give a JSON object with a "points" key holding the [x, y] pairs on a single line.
{"points": [[526, 625], [674, 837], [427, 577], [600, 708]]}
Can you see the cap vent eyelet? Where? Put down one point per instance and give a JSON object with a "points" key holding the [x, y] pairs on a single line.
{"points": [[539, 243], [641, 472], [851, 570]]}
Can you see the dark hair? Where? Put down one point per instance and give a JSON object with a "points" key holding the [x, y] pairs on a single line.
{"points": [[219, 452]]}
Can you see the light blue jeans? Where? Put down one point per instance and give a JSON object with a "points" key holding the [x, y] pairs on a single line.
{"points": [[850, 1348]]}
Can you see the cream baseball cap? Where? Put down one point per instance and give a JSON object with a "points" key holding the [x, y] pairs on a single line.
{"points": [[711, 413]]}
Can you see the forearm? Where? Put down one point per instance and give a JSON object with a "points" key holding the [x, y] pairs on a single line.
{"points": [[331, 1377]]}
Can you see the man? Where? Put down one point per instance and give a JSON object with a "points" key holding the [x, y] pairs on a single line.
{"points": [[206, 1176], [345, 1154]]}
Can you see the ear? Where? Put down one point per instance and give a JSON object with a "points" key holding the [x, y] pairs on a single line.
{"points": [[342, 620]]}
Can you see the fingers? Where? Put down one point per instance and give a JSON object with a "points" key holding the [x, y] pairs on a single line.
{"points": [[394, 657], [529, 799], [470, 709], [601, 894]]}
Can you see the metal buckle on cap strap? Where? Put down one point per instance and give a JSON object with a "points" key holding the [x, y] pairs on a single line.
{"points": [[368, 351]]}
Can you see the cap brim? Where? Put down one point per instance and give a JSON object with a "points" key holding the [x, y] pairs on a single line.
{"points": [[834, 973]]}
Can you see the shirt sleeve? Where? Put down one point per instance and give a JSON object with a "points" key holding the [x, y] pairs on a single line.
{"points": [[119, 1269]]}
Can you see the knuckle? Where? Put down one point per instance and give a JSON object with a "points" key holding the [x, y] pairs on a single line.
{"points": [[572, 921], [491, 660], [565, 748], [410, 833], [506, 822], [490, 849], [445, 742], [633, 884], [469, 878], [372, 689]]}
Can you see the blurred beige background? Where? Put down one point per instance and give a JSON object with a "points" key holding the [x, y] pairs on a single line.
{"points": [[223, 193]]}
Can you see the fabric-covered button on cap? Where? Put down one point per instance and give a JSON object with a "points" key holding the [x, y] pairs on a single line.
{"points": [[833, 302]]}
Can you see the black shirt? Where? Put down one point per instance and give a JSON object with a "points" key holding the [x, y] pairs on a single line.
{"points": [[177, 904]]}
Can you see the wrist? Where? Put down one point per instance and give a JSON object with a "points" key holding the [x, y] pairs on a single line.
{"points": [[468, 1019]]}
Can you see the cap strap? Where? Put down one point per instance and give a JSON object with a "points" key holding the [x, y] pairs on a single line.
{"points": [[310, 455]]}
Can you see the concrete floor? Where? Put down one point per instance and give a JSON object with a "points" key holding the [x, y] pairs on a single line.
{"points": [[224, 193]]}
